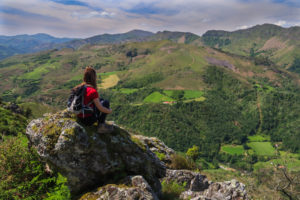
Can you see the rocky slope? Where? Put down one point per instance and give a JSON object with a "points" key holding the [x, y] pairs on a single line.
{"points": [[121, 165]]}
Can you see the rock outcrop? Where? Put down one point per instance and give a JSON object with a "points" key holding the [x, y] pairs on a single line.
{"points": [[135, 187], [193, 181], [120, 165], [89, 159], [199, 188], [156, 146]]}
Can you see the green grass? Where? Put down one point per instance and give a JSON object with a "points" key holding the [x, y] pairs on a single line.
{"points": [[292, 164], [168, 92], [188, 94], [38, 109], [127, 90], [233, 149], [157, 97], [197, 99], [259, 138], [262, 148], [38, 72], [106, 74], [193, 94]]}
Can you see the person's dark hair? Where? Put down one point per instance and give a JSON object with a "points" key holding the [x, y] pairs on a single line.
{"points": [[89, 77]]}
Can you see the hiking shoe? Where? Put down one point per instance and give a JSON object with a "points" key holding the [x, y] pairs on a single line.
{"points": [[105, 128]]}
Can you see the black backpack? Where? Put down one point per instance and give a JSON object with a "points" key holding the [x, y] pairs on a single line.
{"points": [[75, 102]]}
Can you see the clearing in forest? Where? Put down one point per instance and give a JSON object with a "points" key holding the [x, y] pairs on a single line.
{"points": [[262, 148], [109, 81], [157, 97], [233, 149]]}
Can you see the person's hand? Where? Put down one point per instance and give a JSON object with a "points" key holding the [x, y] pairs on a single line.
{"points": [[110, 111]]}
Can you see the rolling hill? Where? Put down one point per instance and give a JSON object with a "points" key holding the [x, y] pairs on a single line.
{"points": [[131, 36], [280, 45], [20, 44], [240, 110], [230, 96]]}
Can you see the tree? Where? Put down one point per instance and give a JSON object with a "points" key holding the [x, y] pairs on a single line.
{"points": [[193, 152], [177, 94]]}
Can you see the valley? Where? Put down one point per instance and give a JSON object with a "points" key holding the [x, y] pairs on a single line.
{"points": [[240, 110]]}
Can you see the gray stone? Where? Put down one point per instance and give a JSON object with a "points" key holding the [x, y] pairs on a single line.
{"points": [[132, 188], [89, 159], [192, 180]]}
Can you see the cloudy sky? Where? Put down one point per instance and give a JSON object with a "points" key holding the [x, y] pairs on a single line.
{"points": [[85, 18]]}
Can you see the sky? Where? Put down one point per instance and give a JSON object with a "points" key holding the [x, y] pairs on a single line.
{"points": [[86, 18]]}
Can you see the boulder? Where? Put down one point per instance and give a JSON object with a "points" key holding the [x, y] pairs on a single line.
{"points": [[156, 146], [89, 159], [199, 188], [193, 181], [227, 190], [134, 187]]}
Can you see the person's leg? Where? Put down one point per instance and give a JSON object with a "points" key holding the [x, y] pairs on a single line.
{"points": [[87, 121], [102, 116], [102, 127]]}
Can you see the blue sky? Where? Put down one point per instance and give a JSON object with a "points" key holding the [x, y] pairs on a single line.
{"points": [[85, 18]]}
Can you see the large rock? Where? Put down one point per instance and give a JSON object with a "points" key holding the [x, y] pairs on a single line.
{"points": [[89, 159], [192, 180], [156, 146], [135, 188], [228, 190], [199, 188]]}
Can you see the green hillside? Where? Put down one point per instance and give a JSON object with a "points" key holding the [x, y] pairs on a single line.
{"points": [[20, 44], [22, 174], [279, 45], [217, 98], [237, 95], [238, 111]]}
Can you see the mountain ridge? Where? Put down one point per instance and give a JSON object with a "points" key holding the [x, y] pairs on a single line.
{"points": [[280, 45], [21, 44]]}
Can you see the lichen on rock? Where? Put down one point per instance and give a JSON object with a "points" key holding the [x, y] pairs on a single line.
{"points": [[133, 187], [120, 165], [89, 159]]}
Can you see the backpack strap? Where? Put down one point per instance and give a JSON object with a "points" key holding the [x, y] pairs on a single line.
{"points": [[83, 94], [82, 99]]}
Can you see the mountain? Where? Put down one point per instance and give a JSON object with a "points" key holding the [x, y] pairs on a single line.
{"points": [[131, 36], [279, 45], [241, 96], [225, 110], [20, 44], [180, 37]]}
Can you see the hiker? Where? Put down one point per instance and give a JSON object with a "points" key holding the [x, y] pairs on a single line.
{"points": [[100, 107]]}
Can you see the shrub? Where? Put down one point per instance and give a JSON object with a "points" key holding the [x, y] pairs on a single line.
{"points": [[160, 156], [181, 162], [172, 190], [22, 175], [193, 152]]}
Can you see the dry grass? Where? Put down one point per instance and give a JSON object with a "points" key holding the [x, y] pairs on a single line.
{"points": [[273, 43], [110, 81]]}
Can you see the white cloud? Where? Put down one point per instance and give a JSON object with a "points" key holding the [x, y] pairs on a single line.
{"points": [[281, 23], [242, 27], [112, 16]]}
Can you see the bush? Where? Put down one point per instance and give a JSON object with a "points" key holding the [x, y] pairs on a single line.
{"points": [[171, 190], [22, 175], [181, 162], [193, 152], [160, 156]]}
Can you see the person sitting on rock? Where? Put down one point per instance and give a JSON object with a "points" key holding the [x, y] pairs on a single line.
{"points": [[100, 106]]}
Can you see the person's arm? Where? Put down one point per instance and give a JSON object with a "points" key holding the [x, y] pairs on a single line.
{"points": [[100, 107]]}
